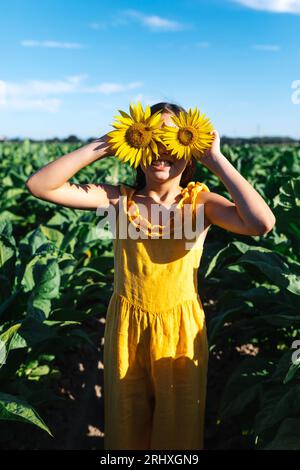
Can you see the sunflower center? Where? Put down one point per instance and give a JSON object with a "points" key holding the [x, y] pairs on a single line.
{"points": [[138, 135], [186, 135]]}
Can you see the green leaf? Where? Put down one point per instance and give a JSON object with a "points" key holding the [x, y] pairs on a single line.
{"points": [[282, 368], [30, 244], [229, 254], [6, 342], [44, 278], [294, 368], [8, 215], [40, 370], [274, 268], [33, 332], [13, 408], [47, 279], [81, 335], [55, 236], [7, 262]]}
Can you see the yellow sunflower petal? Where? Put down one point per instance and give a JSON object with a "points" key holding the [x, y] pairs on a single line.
{"points": [[182, 121], [138, 156], [132, 111], [146, 155], [195, 117], [154, 147], [176, 121], [118, 125], [118, 140], [126, 121], [155, 120], [125, 115], [129, 155], [112, 133], [171, 129], [123, 151], [139, 111], [147, 112], [121, 147], [149, 159]]}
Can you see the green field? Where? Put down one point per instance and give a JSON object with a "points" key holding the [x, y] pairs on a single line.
{"points": [[56, 280]]}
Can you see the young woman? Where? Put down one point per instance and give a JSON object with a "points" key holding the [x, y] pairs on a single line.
{"points": [[156, 351]]}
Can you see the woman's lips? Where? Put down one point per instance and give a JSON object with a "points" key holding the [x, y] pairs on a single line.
{"points": [[161, 164]]}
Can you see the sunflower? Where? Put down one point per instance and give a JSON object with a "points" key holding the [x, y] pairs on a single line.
{"points": [[190, 137], [135, 137]]}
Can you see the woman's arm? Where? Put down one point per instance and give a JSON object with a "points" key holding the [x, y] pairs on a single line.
{"points": [[50, 182], [248, 214]]}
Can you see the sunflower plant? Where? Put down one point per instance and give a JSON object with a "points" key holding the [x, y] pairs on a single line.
{"points": [[135, 137]]}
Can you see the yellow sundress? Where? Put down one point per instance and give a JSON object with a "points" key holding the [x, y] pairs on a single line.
{"points": [[155, 340]]}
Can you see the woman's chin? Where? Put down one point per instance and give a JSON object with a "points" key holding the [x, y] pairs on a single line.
{"points": [[160, 175]]}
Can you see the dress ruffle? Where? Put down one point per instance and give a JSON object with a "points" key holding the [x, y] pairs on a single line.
{"points": [[188, 196], [190, 193]]}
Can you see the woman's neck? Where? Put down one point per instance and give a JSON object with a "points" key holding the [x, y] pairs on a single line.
{"points": [[161, 192]]}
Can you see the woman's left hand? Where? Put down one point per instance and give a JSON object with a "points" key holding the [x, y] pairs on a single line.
{"points": [[212, 155]]}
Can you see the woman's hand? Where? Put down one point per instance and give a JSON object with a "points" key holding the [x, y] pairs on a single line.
{"points": [[104, 146], [107, 140], [213, 154]]}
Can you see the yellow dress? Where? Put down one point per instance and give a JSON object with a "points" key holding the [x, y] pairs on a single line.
{"points": [[155, 341]]}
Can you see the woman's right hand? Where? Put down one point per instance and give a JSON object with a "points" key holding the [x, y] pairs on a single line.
{"points": [[105, 146]]}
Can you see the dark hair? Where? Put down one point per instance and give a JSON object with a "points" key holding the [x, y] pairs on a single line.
{"points": [[189, 170]]}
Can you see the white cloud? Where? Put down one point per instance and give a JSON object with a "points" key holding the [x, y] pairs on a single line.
{"points": [[36, 94], [154, 22], [276, 6], [109, 88], [267, 47], [12, 98], [54, 44], [43, 87]]}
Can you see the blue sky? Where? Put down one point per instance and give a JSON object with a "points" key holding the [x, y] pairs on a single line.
{"points": [[68, 67]]}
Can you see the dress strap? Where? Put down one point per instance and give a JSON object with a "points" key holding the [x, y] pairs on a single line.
{"points": [[190, 193], [126, 190]]}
